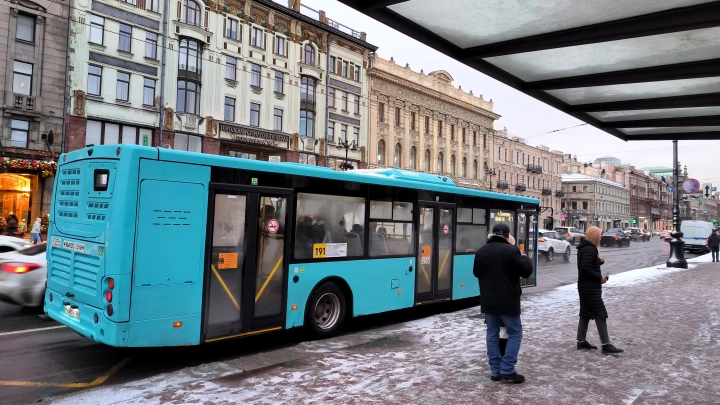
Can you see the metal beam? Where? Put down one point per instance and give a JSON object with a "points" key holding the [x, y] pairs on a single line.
{"points": [[365, 5], [679, 136], [679, 19], [699, 121], [695, 100], [687, 70]]}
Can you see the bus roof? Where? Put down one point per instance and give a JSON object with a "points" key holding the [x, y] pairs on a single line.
{"points": [[384, 177]]}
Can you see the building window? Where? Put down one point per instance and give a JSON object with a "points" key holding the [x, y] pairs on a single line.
{"points": [[280, 46], [427, 125], [256, 38], [452, 132], [105, 133], [148, 92], [381, 153], [345, 69], [331, 97], [152, 5], [427, 161], [190, 56], [397, 116], [585, 205], [440, 127], [307, 159], [463, 135], [440, 163], [381, 112], [356, 105], [463, 171], [357, 73], [190, 143], [474, 138], [277, 119], [255, 74], [229, 109], [397, 161], [231, 29], [25, 28], [309, 56], [307, 123], [413, 157], [484, 141], [22, 78], [191, 10], [122, 88], [412, 120], [97, 29], [452, 165], [279, 82], [307, 90], [94, 80], [230, 68], [19, 133], [151, 45], [330, 132], [343, 132], [125, 38], [333, 62], [254, 114], [356, 135], [188, 99], [475, 169]]}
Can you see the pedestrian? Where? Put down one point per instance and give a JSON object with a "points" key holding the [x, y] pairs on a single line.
{"points": [[22, 228], [714, 245], [590, 281], [35, 232], [12, 224], [498, 267]]}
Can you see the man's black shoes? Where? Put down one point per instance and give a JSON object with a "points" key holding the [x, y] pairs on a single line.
{"points": [[514, 378], [585, 345]]}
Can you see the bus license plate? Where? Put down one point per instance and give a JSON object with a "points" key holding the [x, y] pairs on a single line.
{"points": [[73, 312]]}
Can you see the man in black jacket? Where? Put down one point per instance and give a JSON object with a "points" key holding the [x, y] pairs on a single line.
{"points": [[714, 245], [498, 267]]}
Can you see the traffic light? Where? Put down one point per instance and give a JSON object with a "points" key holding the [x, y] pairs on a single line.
{"points": [[714, 221], [634, 221]]}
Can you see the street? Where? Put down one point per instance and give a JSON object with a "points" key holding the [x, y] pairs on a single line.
{"points": [[40, 359]]}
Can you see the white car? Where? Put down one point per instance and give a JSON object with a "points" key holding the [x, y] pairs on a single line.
{"points": [[550, 244], [11, 244], [23, 274]]}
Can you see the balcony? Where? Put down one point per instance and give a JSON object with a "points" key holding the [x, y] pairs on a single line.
{"points": [[520, 187], [22, 102], [547, 191], [503, 184], [534, 169], [560, 193], [307, 103], [191, 72]]}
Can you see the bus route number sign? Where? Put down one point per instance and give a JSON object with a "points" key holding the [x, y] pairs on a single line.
{"points": [[326, 250]]}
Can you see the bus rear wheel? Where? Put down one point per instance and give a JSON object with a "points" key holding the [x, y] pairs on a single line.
{"points": [[326, 310]]}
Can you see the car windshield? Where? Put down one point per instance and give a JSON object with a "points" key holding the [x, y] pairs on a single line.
{"points": [[34, 250]]}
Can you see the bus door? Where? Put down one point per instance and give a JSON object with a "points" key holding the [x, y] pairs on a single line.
{"points": [[245, 260], [527, 228], [433, 278]]}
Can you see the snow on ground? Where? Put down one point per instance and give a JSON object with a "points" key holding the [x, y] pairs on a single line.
{"points": [[669, 328]]}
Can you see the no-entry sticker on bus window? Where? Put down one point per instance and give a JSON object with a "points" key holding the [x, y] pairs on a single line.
{"points": [[227, 261], [273, 226]]}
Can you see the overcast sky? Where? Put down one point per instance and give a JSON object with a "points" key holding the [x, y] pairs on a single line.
{"points": [[523, 115]]}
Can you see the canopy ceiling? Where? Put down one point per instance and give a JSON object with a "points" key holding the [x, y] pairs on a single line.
{"points": [[639, 70]]}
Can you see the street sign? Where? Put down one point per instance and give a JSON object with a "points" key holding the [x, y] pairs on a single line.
{"points": [[691, 186], [670, 189], [714, 189], [706, 190], [687, 197]]}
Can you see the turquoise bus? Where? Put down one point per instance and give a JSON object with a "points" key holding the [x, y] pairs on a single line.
{"points": [[157, 247]]}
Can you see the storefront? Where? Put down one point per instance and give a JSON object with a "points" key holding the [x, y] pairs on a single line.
{"points": [[25, 189], [253, 143]]}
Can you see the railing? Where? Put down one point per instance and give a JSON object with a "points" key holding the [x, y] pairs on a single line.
{"points": [[534, 168], [546, 191], [23, 102], [520, 187], [559, 193], [503, 185], [315, 15]]}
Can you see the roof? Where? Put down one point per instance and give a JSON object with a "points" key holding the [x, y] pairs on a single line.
{"points": [[639, 70], [582, 178]]}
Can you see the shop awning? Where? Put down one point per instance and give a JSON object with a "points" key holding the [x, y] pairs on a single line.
{"points": [[639, 70]]}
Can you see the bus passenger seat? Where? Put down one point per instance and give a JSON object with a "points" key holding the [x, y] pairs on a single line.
{"points": [[378, 245], [354, 244]]}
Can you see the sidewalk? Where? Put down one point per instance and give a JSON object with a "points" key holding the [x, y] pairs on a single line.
{"points": [[667, 320]]}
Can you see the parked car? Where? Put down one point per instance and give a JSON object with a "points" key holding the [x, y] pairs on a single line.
{"points": [[636, 234], [570, 234], [655, 232], [614, 237], [665, 235], [695, 235], [551, 243], [11, 244], [23, 274]]}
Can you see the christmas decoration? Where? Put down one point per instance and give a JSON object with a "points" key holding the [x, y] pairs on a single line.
{"points": [[44, 168], [44, 223]]}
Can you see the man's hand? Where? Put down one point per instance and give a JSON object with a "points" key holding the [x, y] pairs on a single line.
{"points": [[602, 261], [603, 280]]}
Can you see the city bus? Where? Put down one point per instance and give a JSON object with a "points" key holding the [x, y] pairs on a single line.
{"points": [[157, 247]]}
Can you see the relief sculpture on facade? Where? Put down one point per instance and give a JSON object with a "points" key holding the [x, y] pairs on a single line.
{"points": [[169, 119], [209, 126], [79, 107]]}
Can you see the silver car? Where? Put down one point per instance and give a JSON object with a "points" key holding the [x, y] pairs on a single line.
{"points": [[570, 234], [23, 274]]}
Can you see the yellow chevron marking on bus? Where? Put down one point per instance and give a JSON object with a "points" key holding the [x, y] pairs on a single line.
{"points": [[256, 332], [92, 384], [442, 268], [272, 273], [225, 287]]}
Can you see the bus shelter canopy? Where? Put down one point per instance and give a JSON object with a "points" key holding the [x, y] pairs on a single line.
{"points": [[639, 70]]}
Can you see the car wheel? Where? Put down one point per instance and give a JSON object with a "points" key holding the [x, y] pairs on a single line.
{"points": [[567, 254], [325, 312], [550, 255], [620, 243]]}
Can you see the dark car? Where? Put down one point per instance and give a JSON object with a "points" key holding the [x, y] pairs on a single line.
{"points": [[637, 234], [614, 237]]}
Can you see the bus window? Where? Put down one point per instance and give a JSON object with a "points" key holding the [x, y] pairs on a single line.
{"points": [[471, 230], [505, 216], [271, 245], [323, 219], [391, 229]]}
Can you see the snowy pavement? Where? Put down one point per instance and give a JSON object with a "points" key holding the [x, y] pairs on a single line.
{"points": [[667, 320]]}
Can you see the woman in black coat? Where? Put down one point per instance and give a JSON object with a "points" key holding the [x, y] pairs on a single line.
{"points": [[590, 281]]}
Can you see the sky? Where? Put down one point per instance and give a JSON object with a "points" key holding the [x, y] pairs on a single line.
{"points": [[524, 116]]}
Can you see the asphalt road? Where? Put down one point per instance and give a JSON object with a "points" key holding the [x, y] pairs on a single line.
{"points": [[40, 359]]}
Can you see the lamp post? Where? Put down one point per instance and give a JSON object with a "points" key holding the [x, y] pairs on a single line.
{"points": [[348, 146], [492, 173], [677, 253]]}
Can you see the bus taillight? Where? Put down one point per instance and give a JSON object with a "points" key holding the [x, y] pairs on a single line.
{"points": [[110, 310], [111, 283], [108, 296]]}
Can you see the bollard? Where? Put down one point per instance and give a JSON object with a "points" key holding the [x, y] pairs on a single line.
{"points": [[677, 252]]}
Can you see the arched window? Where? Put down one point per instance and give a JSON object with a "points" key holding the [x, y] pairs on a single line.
{"points": [[464, 168], [381, 153], [191, 11], [427, 161], [397, 161], [413, 153], [475, 173], [440, 166], [309, 56], [452, 164]]}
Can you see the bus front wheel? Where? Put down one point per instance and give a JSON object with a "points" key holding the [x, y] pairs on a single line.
{"points": [[326, 310]]}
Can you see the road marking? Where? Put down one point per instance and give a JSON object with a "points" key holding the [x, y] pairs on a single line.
{"points": [[92, 384], [17, 332], [556, 279]]}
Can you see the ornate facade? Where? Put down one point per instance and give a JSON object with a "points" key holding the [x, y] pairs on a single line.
{"points": [[421, 122]]}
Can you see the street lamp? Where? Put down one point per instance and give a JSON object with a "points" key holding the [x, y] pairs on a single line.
{"points": [[348, 146], [492, 173]]}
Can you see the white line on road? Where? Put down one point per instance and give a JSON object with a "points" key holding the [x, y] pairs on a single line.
{"points": [[17, 332]]}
